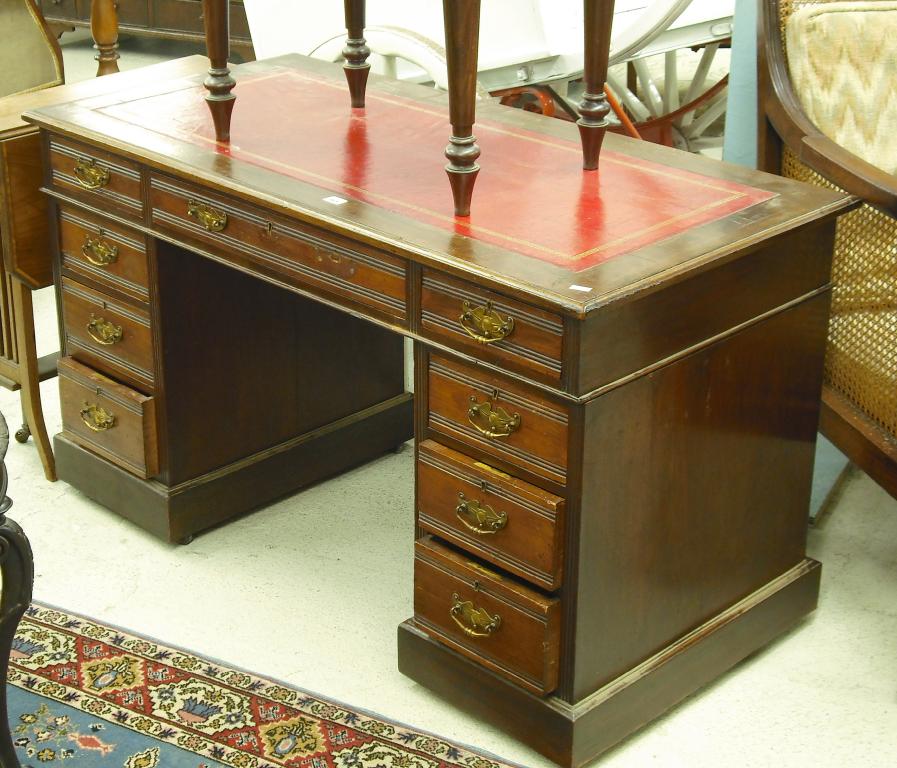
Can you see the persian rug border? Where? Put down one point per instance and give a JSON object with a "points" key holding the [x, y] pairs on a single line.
{"points": [[286, 703]]}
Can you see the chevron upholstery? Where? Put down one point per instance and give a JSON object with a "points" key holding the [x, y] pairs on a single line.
{"points": [[842, 59], [843, 62]]}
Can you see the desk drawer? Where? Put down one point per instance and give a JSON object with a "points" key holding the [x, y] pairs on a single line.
{"points": [[506, 627], [96, 176], [110, 336], [108, 418], [498, 417], [492, 327], [303, 256], [499, 518], [102, 253]]}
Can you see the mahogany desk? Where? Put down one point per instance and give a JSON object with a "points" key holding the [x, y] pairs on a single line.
{"points": [[617, 374]]}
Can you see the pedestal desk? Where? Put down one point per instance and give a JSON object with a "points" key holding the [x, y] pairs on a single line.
{"points": [[617, 373]]}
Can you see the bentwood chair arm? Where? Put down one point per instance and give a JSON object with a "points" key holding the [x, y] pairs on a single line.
{"points": [[785, 114]]}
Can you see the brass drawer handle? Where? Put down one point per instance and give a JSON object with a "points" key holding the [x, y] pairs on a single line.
{"points": [[96, 418], [485, 324], [490, 419], [474, 622], [478, 517], [206, 216], [90, 175], [102, 331], [99, 252]]}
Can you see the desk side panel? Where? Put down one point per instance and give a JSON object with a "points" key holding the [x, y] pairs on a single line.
{"points": [[630, 335], [696, 488]]}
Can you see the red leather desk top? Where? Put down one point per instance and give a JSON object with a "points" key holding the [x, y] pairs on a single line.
{"points": [[532, 196]]}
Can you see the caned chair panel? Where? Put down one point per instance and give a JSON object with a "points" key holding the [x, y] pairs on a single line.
{"points": [[29, 56]]}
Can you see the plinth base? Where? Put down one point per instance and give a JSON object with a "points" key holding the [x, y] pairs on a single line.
{"points": [[574, 734], [176, 513]]}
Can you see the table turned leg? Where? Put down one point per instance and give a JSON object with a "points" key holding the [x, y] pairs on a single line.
{"points": [[219, 83], [462, 32], [104, 28], [594, 108], [356, 52]]}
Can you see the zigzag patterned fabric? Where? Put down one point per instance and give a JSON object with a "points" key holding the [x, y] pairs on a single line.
{"points": [[843, 62]]}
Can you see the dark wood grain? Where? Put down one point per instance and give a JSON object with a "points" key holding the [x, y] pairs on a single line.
{"points": [[104, 28], [538, 445], [266, 350], [530, 541], [219, 83], [103, 254], [726, 437], [524, 644], [112, 337], [130, 441], [356, 52], [462, 39], [23, 212], [594, 108]]}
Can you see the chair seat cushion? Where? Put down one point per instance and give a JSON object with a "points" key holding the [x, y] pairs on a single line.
{"points": [[843, 62]]}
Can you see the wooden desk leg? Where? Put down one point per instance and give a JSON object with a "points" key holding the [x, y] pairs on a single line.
{"points": [[30, 376], [356, 52], [104, 28], [219, 83], [593, 108], [462, 33]]}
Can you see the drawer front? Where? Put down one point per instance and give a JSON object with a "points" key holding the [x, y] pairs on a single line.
{"points": [[491, 326], [132, 13], [103, 253], [110, 336], [498, 418], [108, 418], [306, 257], [178, 15], [96, 176], [498, 623], [499, 518]]}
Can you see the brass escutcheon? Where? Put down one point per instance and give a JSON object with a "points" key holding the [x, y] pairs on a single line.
{"points": [[490, 419], [90, 175], [96, 418], [485, 324], [206, 216], [102, 331], [99, 252], [479, 517], [474, 622]]}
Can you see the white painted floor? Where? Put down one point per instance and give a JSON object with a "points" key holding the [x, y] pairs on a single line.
{"points": [[310, 590]]}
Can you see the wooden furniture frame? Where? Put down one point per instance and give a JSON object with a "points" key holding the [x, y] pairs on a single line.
{"points": [[248, 341], [462, 28], [783, 123], [26, 264], [164, 19]]}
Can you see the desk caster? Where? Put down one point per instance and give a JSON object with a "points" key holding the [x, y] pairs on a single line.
{"points": [[186, 540], [23, 433]]}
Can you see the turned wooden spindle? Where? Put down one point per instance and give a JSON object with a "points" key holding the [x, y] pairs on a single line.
{"points": [[594, 108], [219, 83], [104, 28], [462, 32], [356, 52]]}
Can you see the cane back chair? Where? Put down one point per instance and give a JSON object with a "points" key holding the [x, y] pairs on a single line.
{"points": [[828, 116]]}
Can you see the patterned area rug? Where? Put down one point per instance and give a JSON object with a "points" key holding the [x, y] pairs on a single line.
{"points": [[88, 695]]}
